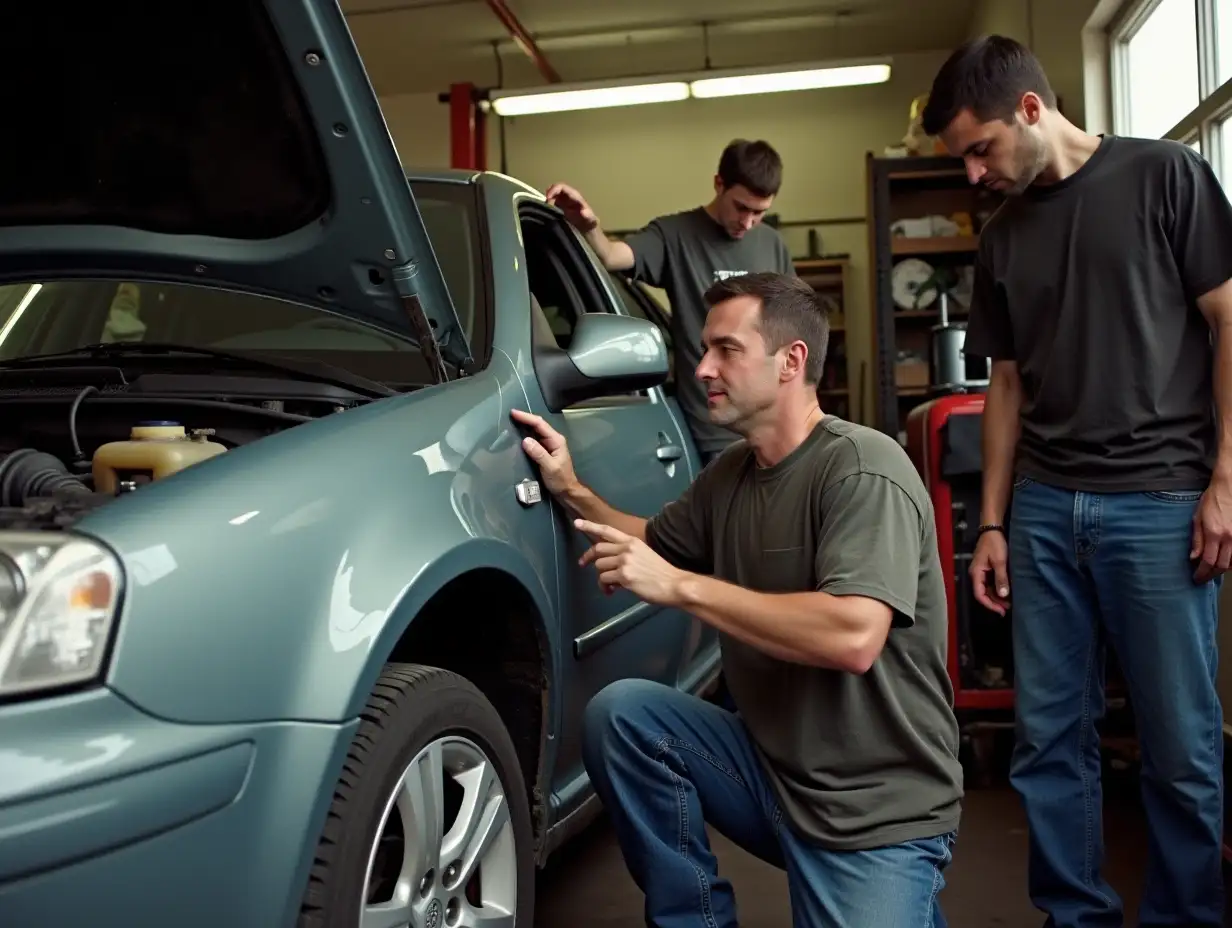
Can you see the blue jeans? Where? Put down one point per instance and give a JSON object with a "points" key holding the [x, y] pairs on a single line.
{"points": [[665, 763], [1088, 569]]}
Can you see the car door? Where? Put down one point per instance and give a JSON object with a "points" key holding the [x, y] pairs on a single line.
{"points": [[629, 449], [701, 651]]}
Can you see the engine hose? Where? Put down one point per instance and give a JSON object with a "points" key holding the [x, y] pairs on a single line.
{"points": [[78, 457], [28, 473]]}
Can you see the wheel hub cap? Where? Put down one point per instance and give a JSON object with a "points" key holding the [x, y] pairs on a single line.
{"points": [[432, 915]]}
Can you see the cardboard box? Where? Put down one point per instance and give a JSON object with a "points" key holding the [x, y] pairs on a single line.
{"points": [[911, 374]]}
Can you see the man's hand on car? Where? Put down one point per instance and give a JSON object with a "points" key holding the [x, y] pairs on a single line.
{"points": [[574, 206], [549, 451]]}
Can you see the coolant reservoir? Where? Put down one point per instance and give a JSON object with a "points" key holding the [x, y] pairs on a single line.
{"points": [[154, 450]]}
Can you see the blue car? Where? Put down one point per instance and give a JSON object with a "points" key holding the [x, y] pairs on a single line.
{"points": [[290, 633]]}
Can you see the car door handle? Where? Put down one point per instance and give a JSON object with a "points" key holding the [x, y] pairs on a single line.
{"points": [[669, 453]]}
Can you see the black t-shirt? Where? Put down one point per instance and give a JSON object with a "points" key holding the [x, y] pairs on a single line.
{"points": [[1091, 285]]}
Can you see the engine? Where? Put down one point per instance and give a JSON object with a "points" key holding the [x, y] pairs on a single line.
{"points": [[36, 486], [66, 449], [51, 476]]}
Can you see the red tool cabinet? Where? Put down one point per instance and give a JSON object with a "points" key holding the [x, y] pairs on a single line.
{"points": [[943, 439]]}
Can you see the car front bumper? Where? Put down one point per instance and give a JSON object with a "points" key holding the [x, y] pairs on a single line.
{"points": [[110, 817]]}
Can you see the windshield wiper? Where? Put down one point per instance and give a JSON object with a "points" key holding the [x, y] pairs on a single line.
{"points": [[317, 371]]}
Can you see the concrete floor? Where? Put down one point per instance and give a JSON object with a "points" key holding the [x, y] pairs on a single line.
{"points": [[985, 884]]}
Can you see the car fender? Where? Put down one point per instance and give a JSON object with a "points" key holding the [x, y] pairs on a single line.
{"points": [[470, 555], [271, 582]]}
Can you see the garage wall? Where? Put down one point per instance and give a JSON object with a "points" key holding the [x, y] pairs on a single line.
{"points": [[1053, 29], [636, 163]]}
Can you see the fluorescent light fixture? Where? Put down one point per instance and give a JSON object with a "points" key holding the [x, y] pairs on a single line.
{"points": [[778, 81], [588, 98], [591, 95]]}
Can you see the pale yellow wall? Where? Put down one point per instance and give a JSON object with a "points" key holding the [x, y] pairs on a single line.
{"points": [[1053, 29], [636, 163]]}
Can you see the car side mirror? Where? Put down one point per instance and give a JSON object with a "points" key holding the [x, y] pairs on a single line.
{"points": [[607, 354]]}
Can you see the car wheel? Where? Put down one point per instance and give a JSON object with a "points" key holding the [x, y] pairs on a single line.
{"points": [[430, 823]]}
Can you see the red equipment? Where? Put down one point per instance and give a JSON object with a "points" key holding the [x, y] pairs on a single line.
{"points": [[943, 440]]}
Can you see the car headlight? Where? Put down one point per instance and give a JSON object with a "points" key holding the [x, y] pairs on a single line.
{"points": [[58, 596]]}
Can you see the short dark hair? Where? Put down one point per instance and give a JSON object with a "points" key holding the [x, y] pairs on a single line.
{"points": [[790, 310], [988, 76], [753, 165]]}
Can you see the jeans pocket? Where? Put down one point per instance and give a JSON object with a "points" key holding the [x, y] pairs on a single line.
{"points": [[1185, 497], [1021, 483]]}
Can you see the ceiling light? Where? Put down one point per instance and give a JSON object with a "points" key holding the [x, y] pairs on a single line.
{"points": [[591, 95], [777, 81], [588, 98]]}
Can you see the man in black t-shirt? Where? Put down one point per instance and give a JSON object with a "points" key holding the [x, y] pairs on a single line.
{"points": [[1102, 297], [810, 546], [684, 253]]}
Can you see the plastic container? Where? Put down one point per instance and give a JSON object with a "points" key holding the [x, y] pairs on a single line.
{"points": [[154, 450]]}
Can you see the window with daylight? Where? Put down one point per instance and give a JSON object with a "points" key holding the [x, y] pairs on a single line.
{"points": [[1224, 169], [1223, 39], [1162, 67], [1171, 70]]}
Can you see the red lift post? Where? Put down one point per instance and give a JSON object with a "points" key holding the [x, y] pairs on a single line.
{"points": [[468, 143]]}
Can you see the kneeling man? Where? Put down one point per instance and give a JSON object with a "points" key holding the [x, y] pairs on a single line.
{"points": [[810, 546]]}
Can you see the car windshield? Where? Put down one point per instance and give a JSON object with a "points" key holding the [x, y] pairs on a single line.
{"points": [[55, 316]]}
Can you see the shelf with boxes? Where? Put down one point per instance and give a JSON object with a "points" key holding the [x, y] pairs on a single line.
{"points": [[837, 392], [924, 223]]}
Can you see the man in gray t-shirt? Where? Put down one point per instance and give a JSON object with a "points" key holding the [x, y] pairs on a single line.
{"points": [[685, 253], [811, 547]]}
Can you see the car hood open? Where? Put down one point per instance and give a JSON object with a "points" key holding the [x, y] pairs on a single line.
{"points": [[236, 143]]}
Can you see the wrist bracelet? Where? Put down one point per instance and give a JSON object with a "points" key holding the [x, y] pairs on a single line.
{"points": [[991, 527]]}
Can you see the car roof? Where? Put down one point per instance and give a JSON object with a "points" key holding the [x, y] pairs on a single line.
{"points": [[443, 175], [464, 177]]}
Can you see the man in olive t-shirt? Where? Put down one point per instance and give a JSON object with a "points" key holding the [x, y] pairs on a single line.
{"points": [[684, 253], [811, 547]]}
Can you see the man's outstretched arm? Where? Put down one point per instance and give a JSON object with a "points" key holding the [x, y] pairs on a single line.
{"points": [[814, 628]]}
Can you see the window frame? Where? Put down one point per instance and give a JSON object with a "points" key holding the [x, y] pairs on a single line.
{"points": [[1215, 100], [583, 271]]}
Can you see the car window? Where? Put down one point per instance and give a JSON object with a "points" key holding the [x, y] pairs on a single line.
{"points": [[627, 299], [636, 302], [46, 317], [560, 280], [449, 215], [563, 281], [49, 317]]}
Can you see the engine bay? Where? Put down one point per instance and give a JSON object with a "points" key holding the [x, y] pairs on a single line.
{"points": [[66, 449]]}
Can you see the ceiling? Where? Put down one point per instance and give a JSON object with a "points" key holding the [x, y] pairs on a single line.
{"points": [[417, 46]]}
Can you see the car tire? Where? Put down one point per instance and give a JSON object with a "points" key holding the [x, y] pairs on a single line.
{"points": [[412, 712]]}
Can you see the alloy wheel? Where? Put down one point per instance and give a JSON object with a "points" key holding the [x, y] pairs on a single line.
{"points": [[444, 855]]}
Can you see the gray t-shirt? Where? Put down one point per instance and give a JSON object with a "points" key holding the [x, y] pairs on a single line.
{"points": [[857, 761], [684, 254], [1091, 286]]}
